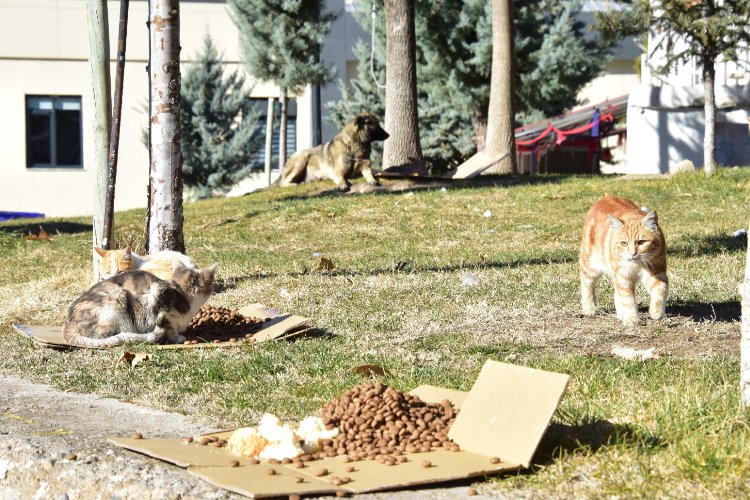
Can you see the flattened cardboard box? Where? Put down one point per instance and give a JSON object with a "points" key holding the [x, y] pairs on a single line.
{"points": [[281, 326], [504, 415]]}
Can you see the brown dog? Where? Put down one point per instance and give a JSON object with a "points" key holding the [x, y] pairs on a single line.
{"points": [[347, 155]]}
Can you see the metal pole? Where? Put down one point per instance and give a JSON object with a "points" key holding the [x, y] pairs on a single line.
{"points": [[269, 140], [114, 136]]}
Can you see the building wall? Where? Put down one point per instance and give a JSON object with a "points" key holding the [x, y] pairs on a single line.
{"points": [[666, 124], [54, 61]]}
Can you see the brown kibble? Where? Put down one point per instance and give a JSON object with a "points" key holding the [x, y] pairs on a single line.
{"points": [[295, 497], [426, 464], [204, 441], [188, 439], [137, 435], [270, 472], [299, 479], [346, 480], [495, 460], [346, 459], [286, 461], [300, 465], [320, 472], [336, 481], [342, 493], [234, 463], [215, 444], [274, 461], [471, 492], [254, 461], [349, 468], [71, 456]]}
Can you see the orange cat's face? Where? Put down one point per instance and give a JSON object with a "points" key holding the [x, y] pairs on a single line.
{"points": [[636, 239], [112, 262]]}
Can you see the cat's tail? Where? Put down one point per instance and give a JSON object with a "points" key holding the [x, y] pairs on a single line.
{"points": [[78, 340]]}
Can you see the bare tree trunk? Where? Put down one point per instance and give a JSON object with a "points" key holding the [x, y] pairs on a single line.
{"points": [[98, 27], [165, 224], [269, 141], [282, 130], [402, 150], [501, 114], [745, 329], [709, 137], [480, 128]]}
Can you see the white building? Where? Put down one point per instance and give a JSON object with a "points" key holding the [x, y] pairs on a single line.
{"points": [[666, 112], [46, 97]]}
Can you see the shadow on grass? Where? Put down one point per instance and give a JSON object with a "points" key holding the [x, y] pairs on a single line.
{"points": [[711, 244], [232, 282], [561, 439], [53, 228], [400, 186], [721, 312]]}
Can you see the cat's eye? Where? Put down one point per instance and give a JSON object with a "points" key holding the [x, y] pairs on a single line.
{"points": [[623, 243], [641, 242]]}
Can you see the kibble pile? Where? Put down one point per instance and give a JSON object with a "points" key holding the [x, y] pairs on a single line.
{"points": [[220, 324], [379, 422]]}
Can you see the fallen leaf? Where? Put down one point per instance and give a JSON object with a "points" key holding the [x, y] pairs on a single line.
{"points": [[126, 357], [635, 354], [43, 235], [326, 264], [139, 359]]}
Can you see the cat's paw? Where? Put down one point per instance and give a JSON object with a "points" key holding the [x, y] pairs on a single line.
{"points": [[629, 321], [658, 316], [373, 182], [590, 311]]}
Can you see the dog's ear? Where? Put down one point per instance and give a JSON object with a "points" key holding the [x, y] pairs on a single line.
{"points": [[360, 120]]}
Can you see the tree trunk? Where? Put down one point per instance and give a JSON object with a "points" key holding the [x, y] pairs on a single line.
{"points": [[709, 137], [501, 114], [402, 151], [480, 128], [745, 329], [98, 27], [282, 130], [269, 141], [165, 224]]}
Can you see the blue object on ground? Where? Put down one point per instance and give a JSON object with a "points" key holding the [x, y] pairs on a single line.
{"points": [[19, 215]]}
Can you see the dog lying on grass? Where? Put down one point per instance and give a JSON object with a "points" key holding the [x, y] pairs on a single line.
{"points": [[340, 159]]}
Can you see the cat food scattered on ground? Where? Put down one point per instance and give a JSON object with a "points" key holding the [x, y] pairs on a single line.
{"points": [[220, 324], [71, 456], [234, 463], [495, 460], [137, 435]]}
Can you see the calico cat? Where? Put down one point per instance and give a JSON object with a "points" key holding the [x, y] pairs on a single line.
{"points": [[626, 243], [112, 262], [136, 306]]}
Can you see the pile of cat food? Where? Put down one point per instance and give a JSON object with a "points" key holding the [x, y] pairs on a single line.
{"points": [[377, 421], [220, 324], [370, 421]]}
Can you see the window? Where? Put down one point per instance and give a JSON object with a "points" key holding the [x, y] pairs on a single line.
{"points": [[53, 132], [260, 106]]}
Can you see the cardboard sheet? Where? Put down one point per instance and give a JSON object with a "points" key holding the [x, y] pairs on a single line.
{"points": [[504, 415], [279, 326]]}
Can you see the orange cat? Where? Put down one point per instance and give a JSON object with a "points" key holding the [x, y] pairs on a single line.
{"points": [[624, 242], [160, 264]]}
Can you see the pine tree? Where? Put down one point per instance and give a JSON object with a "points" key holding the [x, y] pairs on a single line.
{"points": [[280, 42], [713, 30], [220, 131], [454, 54]]}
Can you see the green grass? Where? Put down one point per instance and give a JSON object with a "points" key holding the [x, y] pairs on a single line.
{"points": [[668, 427]]}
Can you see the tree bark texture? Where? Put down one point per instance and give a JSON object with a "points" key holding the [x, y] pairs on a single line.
{"points": [[165, 224], [501, 113], [269, 142], [709, 107], [282, 130], [745, 334], [98, 27], [402, 151]]}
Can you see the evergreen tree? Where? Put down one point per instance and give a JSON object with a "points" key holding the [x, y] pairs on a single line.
{"points": [[280, 42], [554, 59], [220, 131], [712, 29]]}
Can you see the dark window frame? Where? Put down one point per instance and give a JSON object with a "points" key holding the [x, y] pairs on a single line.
{"points": [[53, 145]]}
